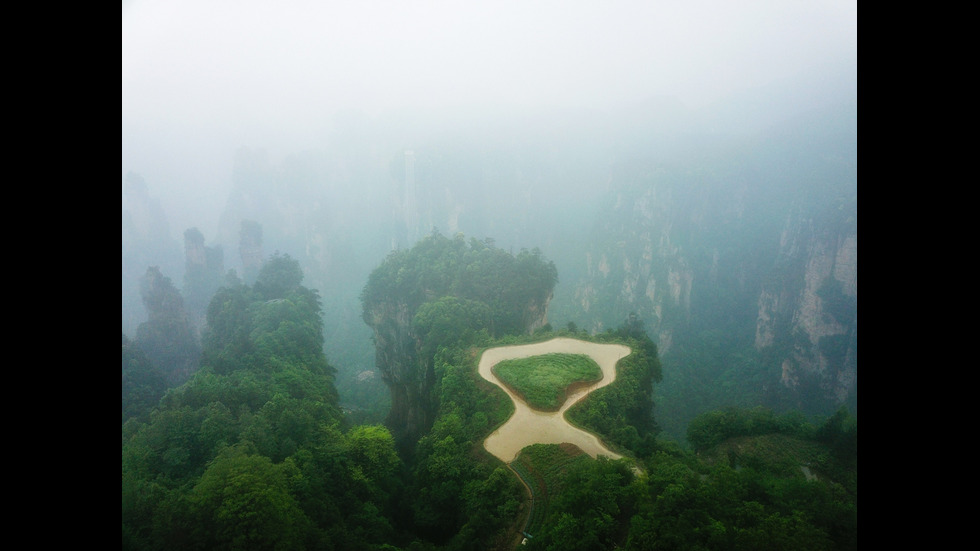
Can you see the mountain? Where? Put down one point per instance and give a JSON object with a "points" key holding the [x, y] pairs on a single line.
{"points": [[730, 231]]}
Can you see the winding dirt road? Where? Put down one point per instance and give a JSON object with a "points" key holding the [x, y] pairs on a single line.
{"points": [[530, 426]]}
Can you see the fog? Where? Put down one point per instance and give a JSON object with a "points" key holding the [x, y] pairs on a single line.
{"points": [[684, 161], [202, 79]]}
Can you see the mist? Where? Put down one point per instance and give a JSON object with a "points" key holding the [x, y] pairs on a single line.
{"points": [[200, 80], [610, 136]]}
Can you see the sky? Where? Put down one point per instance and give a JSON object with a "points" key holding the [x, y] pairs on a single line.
{"points": [[202, 78]]}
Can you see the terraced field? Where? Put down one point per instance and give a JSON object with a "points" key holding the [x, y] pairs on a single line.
{"points": [[544, 381]]}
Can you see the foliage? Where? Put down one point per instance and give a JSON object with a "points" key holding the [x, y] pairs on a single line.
{"points": [[773, 481], [249, 452], [585, 499], [752, 492], [712, 428], [622, 412], [253, 452], [142, 382], [543, 381], [839, 433], [437, 267], [243, 501], [725, 508], [278, 276], [716, 372], [450, 466], [448, 320], [542, 467], [445, 292]]}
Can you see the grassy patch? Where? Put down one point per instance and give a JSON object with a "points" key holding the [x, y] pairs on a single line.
{"points": [[543, 381], [778, 454], [544, 467]]}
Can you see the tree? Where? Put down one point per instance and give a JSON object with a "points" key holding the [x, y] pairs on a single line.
{"points": [[372, 448], [243, 501], [440, 291], [225, 340], [142, 382], [278, 276], [375, 464], [446, 320]]}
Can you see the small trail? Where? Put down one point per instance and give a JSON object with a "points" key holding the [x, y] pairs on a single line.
{"points": [[530, 494]]}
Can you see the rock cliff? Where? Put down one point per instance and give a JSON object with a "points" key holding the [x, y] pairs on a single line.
{"points": [[757, 250], [815, 310], [440, 292], [146, 241]]}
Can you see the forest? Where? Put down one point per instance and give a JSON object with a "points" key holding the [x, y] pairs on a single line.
{"points": [[237, 439]]}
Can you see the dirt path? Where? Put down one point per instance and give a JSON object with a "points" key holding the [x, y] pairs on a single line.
{"points": [[529, 426]]}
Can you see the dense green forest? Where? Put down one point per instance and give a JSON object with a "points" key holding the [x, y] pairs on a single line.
{"points": [[252, 450]]}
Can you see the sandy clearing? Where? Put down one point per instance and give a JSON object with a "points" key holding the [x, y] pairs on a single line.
{"points": [[528, 426]]}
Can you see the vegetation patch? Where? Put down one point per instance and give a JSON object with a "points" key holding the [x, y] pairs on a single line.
{"points": [[778, 454], [544, 381], [543, 466], [579, 502]]}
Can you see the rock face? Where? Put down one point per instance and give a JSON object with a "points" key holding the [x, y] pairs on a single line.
{"points": [[167, 337], [753, 239], [407, 378], [800, 296], [818, 306], [761, 256], [408, 371], [204, 270], [146, 241], [536, 314], [250, 250], [440, 292], [634, 264]]}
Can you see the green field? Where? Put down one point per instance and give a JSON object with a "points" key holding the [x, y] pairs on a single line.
{"points": [[543, 468], [543, 380]]}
